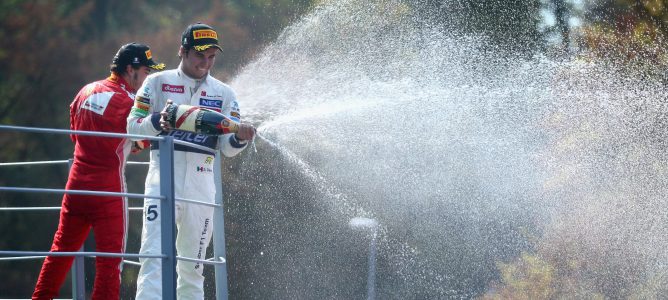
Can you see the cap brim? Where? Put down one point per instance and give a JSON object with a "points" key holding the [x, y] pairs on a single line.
{"points": [[201, 48], [155, 66]]}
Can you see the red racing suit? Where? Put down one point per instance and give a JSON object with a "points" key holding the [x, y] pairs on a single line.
{"points": [[99, 164]]}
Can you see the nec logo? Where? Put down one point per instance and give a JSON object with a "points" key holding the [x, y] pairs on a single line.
{"points": [[172, 88], [211, 104]]}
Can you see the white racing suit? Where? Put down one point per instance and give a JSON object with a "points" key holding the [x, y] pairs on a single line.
{"points": [[193, 176]]}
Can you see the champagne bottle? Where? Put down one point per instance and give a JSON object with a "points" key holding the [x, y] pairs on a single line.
{"points": [[199, 120]]}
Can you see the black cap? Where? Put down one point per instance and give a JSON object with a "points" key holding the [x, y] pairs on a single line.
{"points": [[135, 54], [200, 37]]}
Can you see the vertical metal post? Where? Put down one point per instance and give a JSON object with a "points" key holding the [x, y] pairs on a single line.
{"points": [[371, 279], [372, 225], [219, 236], [78, 277], [167, 218], [78, 270]]}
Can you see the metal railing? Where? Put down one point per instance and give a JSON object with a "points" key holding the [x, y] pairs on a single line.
{"points": [[167, 198]]}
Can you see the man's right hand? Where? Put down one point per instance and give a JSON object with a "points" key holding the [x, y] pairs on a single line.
{"points": [[163, 115]]}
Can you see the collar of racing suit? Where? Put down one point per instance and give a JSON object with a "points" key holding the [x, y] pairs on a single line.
{"points": [[120, 81], [193, 83]]}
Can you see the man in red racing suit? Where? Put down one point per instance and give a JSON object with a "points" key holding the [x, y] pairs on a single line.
{"points": [[99, 165]]}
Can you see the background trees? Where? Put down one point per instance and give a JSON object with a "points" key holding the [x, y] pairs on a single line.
{"points": [[510, 25], [629, 32]]}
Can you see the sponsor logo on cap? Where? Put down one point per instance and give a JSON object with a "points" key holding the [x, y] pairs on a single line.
{"points": [[148, 54], [179, 89], [136, 60], [205, 34]]}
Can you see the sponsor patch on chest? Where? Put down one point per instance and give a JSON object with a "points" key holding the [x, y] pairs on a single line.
{"points": [[177, 89], [216, 105]]}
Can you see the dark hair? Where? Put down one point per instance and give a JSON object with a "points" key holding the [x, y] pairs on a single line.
{"points": [[120, 68]]}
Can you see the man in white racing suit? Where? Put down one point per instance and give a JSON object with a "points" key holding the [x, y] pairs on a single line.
{"points": [[189, 84]]}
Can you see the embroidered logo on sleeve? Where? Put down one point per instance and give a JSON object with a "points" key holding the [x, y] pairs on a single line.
{"points": [[97, 103]]}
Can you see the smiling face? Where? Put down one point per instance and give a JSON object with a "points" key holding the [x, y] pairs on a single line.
{"points": [[197, 64]]}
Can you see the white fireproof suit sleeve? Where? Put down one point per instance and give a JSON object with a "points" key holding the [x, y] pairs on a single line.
{"points": [[144, 118], [227, 143]]}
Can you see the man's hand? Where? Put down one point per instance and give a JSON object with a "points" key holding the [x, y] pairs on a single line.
{"points": [[163, 114], [138, 146], [246, 132]]}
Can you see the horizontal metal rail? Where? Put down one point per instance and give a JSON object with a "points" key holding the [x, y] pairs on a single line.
{"points": [[168, 258], [95, 193], [46, 162], [36, 208], [54, 162], [132, 262], [209, 261], [30, 208], [222, 259], [77, 192], [81, 132], [99, 133], [84, 254], [82, 192], [125, 261], [191, 145], [22, 257], [198, 202], [202, 261]]}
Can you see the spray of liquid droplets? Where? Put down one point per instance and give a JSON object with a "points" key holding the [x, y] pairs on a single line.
{"points": [[466, 158]]}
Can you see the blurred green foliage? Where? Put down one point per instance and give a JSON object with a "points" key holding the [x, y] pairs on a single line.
{"points": [[631, 36], [630, 33], [510, 26]]}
